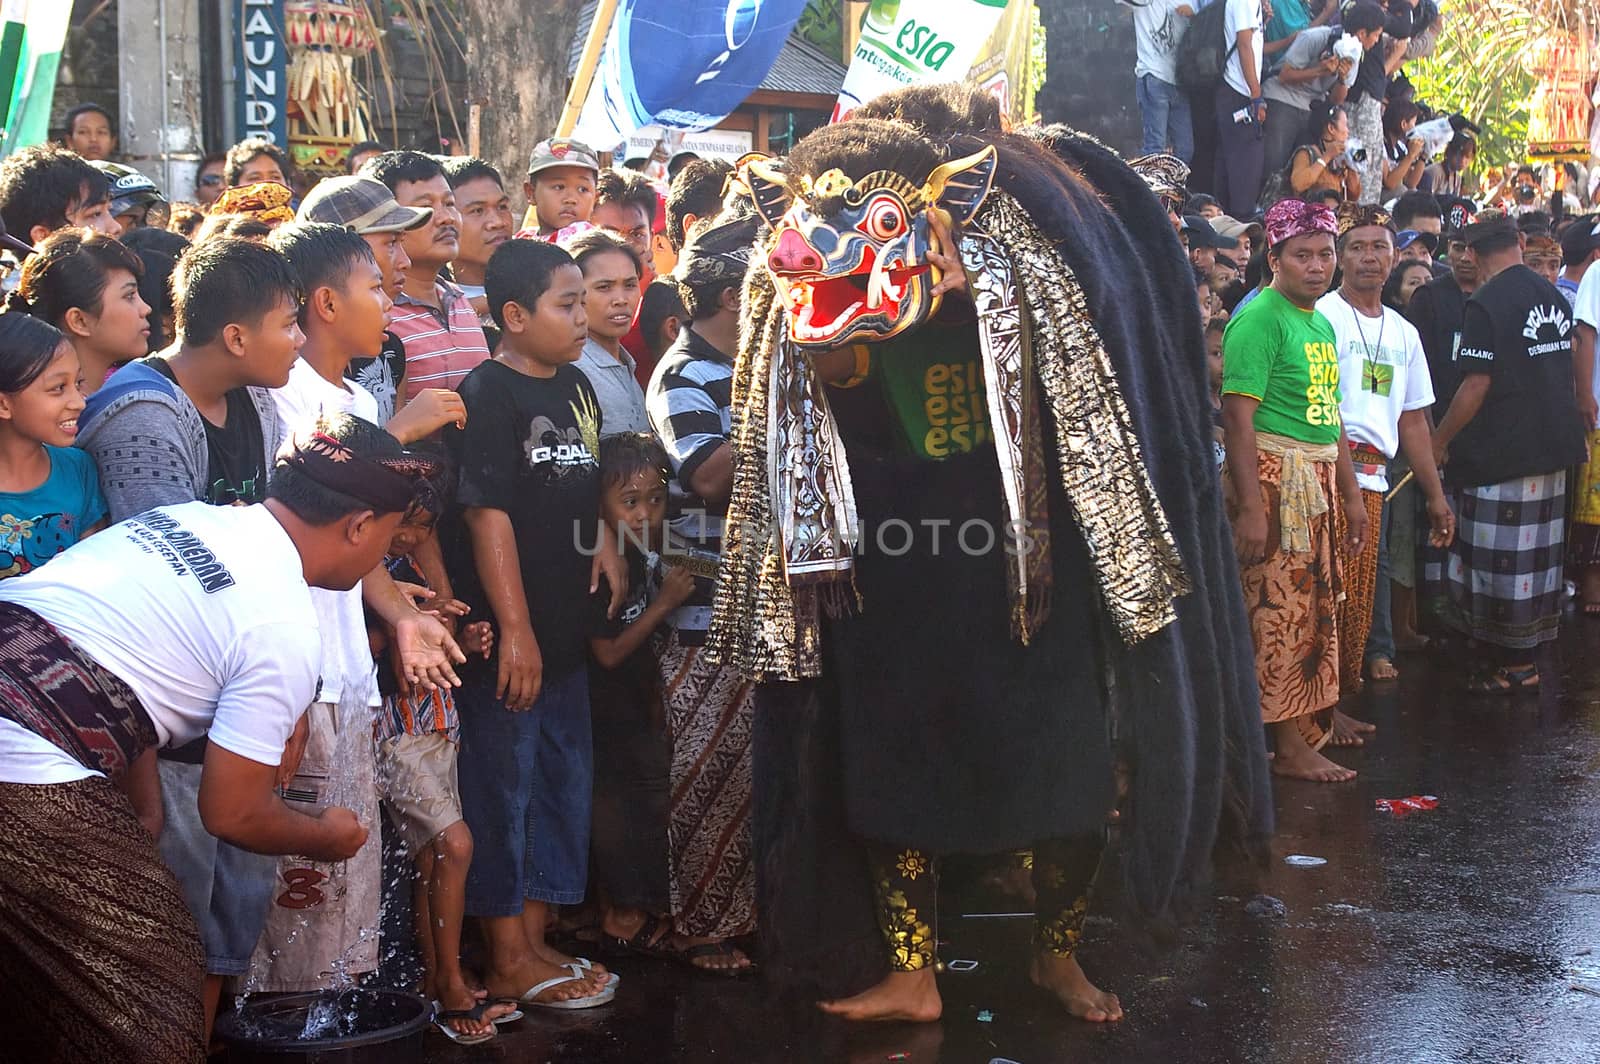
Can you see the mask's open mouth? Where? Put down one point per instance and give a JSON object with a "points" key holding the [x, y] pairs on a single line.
{"points": [[823, 309]]}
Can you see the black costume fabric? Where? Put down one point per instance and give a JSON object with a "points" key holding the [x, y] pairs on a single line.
{"points": [[1180, 707]]}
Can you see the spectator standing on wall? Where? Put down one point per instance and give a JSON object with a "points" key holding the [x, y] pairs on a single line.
{"points": [[1158, 25]]}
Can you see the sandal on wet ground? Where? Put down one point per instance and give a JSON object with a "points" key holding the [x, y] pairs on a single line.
{"points": [[443, 1016], [530, 996], [1505, 681], [649, 941], [583, 966]]}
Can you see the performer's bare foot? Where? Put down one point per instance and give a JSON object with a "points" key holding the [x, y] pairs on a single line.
{"points": [[1296, 760], [911, 997], [1062, 977], [1348, 731]]}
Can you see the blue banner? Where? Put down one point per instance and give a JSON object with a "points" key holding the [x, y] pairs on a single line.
{"points": [[684, 64], [260, 65]]}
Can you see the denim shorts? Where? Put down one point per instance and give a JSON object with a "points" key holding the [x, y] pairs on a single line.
{"points": [[526, 788], [228, 890]]}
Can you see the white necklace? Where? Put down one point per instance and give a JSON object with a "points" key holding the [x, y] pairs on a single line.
{"points": [[1383, 321]]}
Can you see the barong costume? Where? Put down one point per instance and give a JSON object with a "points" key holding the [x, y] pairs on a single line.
{"points": [[927, 696]]}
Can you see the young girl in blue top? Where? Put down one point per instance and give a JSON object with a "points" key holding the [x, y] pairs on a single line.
{"points": [[49, 491]]}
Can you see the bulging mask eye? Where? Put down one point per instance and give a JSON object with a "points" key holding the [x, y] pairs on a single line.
{"points": [[885, 218]]}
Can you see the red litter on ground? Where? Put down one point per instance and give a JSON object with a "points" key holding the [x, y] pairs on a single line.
{"points": [[1417, 803]]}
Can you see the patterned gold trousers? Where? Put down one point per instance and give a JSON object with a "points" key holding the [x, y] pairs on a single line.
{"points": [[906, 885]]}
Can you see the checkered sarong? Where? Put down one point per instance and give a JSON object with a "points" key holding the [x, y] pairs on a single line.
{"points": [[1502, 578]]}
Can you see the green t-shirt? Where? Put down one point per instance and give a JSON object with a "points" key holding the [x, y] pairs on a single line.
{"points": [[933, 381], [1288, 359]]}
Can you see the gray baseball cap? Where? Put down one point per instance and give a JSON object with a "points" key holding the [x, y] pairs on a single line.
{"points": [[363, 204]]}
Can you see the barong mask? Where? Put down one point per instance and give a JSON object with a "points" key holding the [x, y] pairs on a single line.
{"points": [[850, 257]]}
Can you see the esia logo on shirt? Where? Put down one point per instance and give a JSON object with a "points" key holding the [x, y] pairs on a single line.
{"points": [[957, 412], [1322, 395]]}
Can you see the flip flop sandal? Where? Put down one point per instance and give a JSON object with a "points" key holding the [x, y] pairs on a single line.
{"points": [[583, 966], [604, 997], [443, 1016], [645, 942], [1505, 681]]}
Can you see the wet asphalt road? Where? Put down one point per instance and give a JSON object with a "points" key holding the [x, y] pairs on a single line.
{"points": [[1469, 933]]}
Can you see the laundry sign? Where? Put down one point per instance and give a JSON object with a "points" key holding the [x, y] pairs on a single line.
{"points": [[260, 64]]}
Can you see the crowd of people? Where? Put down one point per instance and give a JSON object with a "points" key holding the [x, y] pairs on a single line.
{"points": [[357, 507], [1339, 267], [162, 354]]}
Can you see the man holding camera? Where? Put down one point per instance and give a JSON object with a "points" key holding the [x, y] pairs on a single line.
{"points": [[1316, 66]]}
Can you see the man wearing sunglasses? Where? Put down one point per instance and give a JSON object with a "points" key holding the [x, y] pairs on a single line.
{"points": [[210, 181]]}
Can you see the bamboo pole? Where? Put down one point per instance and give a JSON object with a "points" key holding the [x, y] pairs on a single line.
{"points": [[604, 13]]}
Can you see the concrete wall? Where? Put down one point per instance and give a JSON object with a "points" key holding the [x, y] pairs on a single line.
{"points": [[1089, 70]]}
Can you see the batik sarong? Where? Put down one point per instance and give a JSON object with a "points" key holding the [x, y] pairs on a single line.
{"points": [[1361, 588], [710, 719], [60, 695], [1293, 598], [1503, 576], [99, 958]]}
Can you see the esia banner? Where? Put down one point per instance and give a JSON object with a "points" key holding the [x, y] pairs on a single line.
{"points": [[915, 42]]}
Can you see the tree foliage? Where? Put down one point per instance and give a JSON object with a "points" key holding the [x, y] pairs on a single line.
{"points": [[1479, 68]]}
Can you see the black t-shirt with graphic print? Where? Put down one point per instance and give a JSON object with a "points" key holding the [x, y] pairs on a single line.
{"points": [[235, 452], [529, 449], [382, 376], [1517, 328]]}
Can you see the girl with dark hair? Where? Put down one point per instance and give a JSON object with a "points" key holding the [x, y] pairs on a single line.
{"points": [[87, 285], [611, 272], [1320, 164], [49, 490], [1406, 278], [1403, 161]]}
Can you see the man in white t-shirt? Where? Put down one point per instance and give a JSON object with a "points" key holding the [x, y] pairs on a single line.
{"points": [[1241, 111], [182, 621], [1385, 392], [1158, 26]]}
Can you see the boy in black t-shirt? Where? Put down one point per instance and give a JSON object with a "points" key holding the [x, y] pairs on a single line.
{"points": [[632, 750], [530, 487]]}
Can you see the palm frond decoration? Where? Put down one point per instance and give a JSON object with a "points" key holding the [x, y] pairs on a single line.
{"points": [[1487, 64]]}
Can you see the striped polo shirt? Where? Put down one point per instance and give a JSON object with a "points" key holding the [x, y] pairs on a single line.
{"points": [[442, 347], [690, 406]]}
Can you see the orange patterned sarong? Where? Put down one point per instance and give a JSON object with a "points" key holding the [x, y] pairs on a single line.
{"points": [[1293, 600], [1361, 587]]}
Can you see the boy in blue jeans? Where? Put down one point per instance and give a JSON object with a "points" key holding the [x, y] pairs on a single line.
{"points": [[530, 490]]}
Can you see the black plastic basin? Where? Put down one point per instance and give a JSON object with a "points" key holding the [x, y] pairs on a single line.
{"points": [[381, 1026]]}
